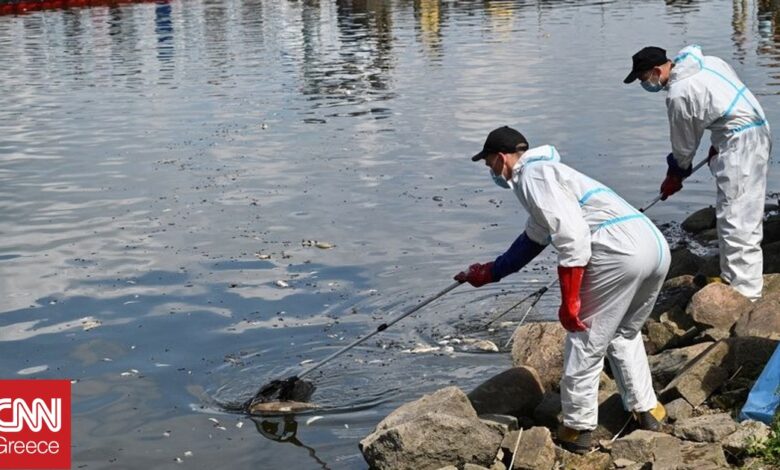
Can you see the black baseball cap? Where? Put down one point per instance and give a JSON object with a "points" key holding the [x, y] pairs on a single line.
{"points": [[644, 60], [504, 139]]}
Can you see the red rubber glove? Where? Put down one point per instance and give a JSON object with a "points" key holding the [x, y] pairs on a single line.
{"points": [[478, 274], [671, 185], [569, 313]]}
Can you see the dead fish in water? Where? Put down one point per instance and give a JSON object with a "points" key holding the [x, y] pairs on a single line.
{"points": [[280, 407], [281, 397]]}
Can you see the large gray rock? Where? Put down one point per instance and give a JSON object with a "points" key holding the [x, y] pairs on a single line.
{"points": [[771, 283], [763, 320], [548, 412], [647, 446], [771, 230], [718, 306], [748, 432], [678, 409], [448, 400], [535, 451], [590, 461], [748, 356], [432, 432], [666, 365], [540, 345], [517, 391], [696, 456], [771, 257], [702, 376], [683, 262], [700, 220], [705, 428]]}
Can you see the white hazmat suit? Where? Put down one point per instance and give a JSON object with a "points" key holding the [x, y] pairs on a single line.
{"points": [[705, 93], [626, 260]]}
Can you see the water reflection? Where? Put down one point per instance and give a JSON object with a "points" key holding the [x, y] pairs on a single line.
{"points": [[285, 429]]}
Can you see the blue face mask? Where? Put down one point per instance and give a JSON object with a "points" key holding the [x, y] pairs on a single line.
{"points": [[652, 87], [499, 180]]}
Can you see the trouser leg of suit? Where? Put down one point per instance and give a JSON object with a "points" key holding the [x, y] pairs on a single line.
{"points": [[618, 295], [740, 171]]}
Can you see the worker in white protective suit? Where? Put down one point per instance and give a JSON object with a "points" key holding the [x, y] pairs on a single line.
{"points": [[704, 92], [612, 262]]}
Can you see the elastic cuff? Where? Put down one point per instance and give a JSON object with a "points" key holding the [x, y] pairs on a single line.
{"points": [[675, 169]]}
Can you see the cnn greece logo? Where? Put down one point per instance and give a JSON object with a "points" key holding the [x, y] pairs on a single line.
{"points": [[34, 424]]}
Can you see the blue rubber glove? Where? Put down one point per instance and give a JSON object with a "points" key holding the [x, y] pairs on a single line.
{"points": [[522, 251]]}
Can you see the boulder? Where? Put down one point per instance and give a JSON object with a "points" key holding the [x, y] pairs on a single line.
{"points": [[771, 230], [535, 451], [696, 456], [647, 446], [448, 400], [706, 236], [702, 376], [771, 283], [771, 257], [667, 364], [762, 320], [700, 220], [471, 466], [612, 417], [517, 391], [676, 291], [748, 355], [683, 262], [540, 345], [705, 428], [718, 306], [431, 441], [437, 430], [678, 409], [590, 461], [504, 423], [548, 412], [748, 432]]}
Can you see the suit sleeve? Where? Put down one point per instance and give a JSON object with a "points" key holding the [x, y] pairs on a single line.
{"points": [[685, 130], [557, 210]]}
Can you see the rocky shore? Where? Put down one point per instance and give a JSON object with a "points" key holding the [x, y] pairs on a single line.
{"points": [[706, 344]]}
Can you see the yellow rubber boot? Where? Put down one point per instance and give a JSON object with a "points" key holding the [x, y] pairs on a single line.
{"points": [[651, 420], [574, 440]]}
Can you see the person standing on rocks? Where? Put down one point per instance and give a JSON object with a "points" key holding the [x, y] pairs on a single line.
{"points": [[704, 93], [612, 262]]}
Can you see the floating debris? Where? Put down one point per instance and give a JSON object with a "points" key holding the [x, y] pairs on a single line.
{"points": [[482, 345], [167, 434], [282, 284], [280, 407], [188, 453], [262, 256], [318, 244], [215, 421], [422, 349], [307, 361], [33, 370], [89, 324], [240, 424], [313, 419]]}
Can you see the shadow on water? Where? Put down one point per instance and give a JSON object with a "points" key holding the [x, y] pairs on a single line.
{"points": [[284, 429]]}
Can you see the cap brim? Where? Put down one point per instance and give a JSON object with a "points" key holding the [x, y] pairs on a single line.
{"points": [[631, 77], [479, 156]]}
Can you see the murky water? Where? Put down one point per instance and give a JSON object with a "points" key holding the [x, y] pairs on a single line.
{"points": [[163, 166]]}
